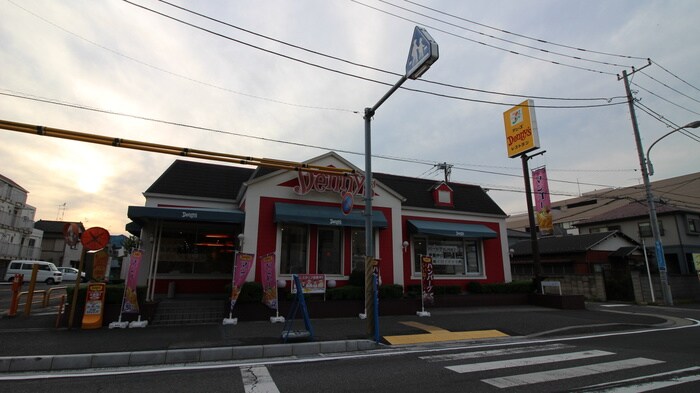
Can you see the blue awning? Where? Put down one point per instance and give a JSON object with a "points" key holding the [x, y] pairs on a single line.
{"points": [[451, 229], [141, 214], [324, 215]]}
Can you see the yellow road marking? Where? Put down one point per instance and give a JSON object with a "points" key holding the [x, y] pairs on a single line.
{"points": [[437, 334]]}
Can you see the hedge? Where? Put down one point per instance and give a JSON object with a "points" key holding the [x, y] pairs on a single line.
{"points": [[114, 293]]}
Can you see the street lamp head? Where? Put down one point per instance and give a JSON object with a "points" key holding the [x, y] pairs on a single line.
{"points": [[694, 124]]}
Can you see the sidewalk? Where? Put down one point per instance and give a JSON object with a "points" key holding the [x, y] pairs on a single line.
{"points": [[32, 344]]}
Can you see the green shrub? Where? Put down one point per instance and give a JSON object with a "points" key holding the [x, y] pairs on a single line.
{"points": [[347, 292], [251, 292], [392, 291], [114, 293], [474, 287], [357, 278], [510, 287]]}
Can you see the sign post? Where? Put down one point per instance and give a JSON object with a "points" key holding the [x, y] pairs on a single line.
{"points": [[422, 53], [521, 138]]}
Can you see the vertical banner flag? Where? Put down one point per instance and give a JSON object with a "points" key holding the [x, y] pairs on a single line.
{"points": [[130, 304], [427, 279], [269, 280], [543, 213], [241, 268]]}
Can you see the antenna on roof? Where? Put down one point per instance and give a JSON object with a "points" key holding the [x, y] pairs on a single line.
{"points": [[61, 211]]}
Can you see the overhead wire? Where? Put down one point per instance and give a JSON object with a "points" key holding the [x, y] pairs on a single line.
{"points": [[506, 40], [525, 36], [175, 74], [305, 145], [298, 47], [329, 69], [484, 43]]}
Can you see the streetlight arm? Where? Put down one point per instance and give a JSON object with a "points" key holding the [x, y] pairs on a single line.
{"points": [[694, 124]]}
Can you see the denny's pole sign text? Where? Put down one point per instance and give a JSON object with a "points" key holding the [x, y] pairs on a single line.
{"points": [[521, 129]]}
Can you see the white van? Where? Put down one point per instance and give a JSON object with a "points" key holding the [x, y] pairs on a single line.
{"points": [[47, 272]]}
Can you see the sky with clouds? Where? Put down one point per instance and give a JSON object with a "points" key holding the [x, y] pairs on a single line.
{"points": [[290, 80]]}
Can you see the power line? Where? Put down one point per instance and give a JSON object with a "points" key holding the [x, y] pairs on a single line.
{"points": [[379, 69], [675, 76], [664, 99], [308, 63], [525, 36], [486, 44], [175, 74], [305, 145], [665, 121], [503, 39], [669, 87]]}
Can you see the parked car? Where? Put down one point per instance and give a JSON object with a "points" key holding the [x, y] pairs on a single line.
{"points": [[71, 273], [47, 272]]}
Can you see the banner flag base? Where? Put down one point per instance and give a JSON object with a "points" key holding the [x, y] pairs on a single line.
{"points": [[276, 319], [423, 313], [119, 324], [230, 320], [138, 324]]}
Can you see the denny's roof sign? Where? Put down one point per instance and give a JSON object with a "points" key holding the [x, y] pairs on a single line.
{"points": [[521, 129]]}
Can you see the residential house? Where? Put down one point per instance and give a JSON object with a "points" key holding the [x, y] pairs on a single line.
{"points": [[18, 238], [54, 247]]}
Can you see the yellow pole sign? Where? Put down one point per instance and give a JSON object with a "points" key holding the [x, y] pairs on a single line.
{"points": [[521, 129]]}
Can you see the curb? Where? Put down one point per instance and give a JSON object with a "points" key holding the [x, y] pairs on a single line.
{"points": [[177, 356]]}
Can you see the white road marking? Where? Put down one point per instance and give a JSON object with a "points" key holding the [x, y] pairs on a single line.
{"points": [[257, 379], [624, 386], [468, 368], [495, 352], [565, 373]]}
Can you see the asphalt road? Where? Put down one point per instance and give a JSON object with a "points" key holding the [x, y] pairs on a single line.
{"points": [[653, 359]]}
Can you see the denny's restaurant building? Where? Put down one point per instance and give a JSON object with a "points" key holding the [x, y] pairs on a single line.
{"points": [[196, 215]]}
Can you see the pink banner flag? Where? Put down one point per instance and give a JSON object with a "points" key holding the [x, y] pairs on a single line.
{"points": [[241, 268], [543, 213], [427, 279], [130, 304], [269, 280]]}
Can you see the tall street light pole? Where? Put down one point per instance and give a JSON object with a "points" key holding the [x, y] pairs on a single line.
{"points": [[422, 54]]}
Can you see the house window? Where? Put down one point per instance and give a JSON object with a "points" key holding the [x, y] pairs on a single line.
{"points": [[294, 246], [330, 250], [451, 256], [693, 224], [445, 196], [646, 231]]}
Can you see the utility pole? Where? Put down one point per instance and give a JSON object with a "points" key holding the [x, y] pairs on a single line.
{"points": [[659, 249], [447, 168]]}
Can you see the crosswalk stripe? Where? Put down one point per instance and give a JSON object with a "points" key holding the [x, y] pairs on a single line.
{"points": [[565, 373], [637, 384], [495, 352], [468, 368], [257, 379], [651, 386]]}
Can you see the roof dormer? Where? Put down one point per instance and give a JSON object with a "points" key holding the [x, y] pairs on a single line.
{"points": [[443, 195]]}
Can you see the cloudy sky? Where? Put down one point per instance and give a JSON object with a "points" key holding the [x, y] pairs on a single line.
{"points": [[289, 80]]}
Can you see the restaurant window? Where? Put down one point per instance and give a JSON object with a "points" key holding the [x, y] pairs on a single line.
{"points": [[197, 249], [451, 256], [294, 246], [330, 249], [358, 249]]}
